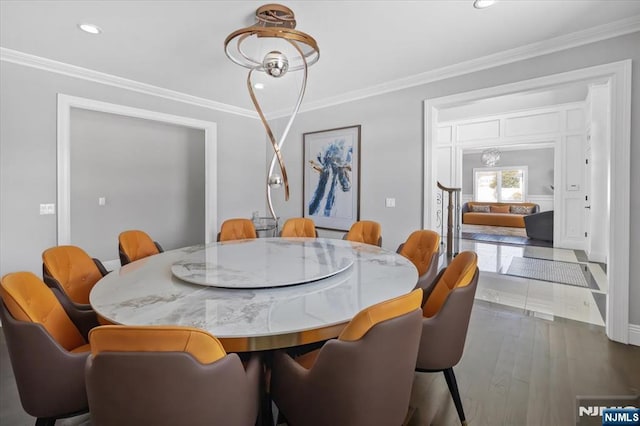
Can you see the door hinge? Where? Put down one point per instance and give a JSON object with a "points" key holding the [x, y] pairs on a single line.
{"points": [[585, 234], [586, 161]]}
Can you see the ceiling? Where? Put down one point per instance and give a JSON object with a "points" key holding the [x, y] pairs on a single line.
{"points": [[178, 45]]}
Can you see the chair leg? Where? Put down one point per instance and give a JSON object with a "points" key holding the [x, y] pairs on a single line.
{"points": [[45, 421], [453, 389]]}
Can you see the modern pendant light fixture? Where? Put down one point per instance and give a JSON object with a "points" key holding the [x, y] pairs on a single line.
{"points": [[490, 157], [275, 47]]}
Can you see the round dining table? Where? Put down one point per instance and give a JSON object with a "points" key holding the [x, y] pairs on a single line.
{"points": [[258, 294]]}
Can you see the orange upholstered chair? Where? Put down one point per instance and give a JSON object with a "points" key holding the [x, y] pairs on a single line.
{"points": [[237, 229], [73, 273], [299, 227], [445, 321], [134, 245], [365, 231], [360, 378], [162, 375], [47, 351], [422, 248]]}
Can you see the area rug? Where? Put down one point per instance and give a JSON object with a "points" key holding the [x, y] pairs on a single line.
{"points": [[505, 239], [548, 270]]}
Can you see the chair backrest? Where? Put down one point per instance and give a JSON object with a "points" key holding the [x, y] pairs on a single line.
{"points": [[365, 231], [134, 245], [365, 376], [446, 314], [72, 269], [420, 248], [299, 227], [459, 273], [29, 299], [131, 369], [237, 229], [47, 352]]}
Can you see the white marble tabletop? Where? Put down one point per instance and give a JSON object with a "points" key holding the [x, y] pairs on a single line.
{"points": [[146, 292], [264, 262]]}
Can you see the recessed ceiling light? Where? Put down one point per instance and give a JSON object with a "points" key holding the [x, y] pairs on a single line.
{"points": [[259, 86], [482, 4], [90, 28]]}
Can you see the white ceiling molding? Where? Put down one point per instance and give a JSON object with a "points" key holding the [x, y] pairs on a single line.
{"points": [[579, 38], [21, 58]]}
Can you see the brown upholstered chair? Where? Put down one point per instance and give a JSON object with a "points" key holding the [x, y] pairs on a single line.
{"points": [[299, 227], [365, 231], [422, 248], [134, 245], [168, 376], [446, 320], [360, 378], [71, 271], [47, 351], [237, 229]]}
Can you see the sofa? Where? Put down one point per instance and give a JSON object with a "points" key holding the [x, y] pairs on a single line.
{"points": [[497, 214]]}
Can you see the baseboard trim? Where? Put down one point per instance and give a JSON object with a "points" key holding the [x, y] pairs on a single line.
{"points": [[634, 334]]}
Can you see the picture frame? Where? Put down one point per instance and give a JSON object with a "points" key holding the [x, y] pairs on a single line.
{"points": [[331, 177]]}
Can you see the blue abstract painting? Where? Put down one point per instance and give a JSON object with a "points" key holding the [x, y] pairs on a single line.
{"points": [[334, 166], [331, 177]]}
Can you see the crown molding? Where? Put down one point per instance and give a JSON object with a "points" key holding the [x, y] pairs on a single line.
{"points": [[579, 38], [26, 59], [567, 41]]}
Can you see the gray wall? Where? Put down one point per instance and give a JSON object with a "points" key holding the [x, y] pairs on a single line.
{"points": [[392, 140], [538, 161], [28, 156], [151, 174]]}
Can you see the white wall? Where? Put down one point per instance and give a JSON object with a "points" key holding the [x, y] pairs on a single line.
{"points": [[392, 138], [28, 156]]}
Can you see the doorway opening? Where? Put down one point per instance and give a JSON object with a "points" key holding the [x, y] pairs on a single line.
{"points": [[617, 77]]}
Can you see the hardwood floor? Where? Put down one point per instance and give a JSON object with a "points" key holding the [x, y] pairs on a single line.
{"points": [[517, 369]]}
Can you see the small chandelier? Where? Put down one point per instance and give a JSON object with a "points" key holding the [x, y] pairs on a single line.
{"points": [[490, 157], [253, 48]]}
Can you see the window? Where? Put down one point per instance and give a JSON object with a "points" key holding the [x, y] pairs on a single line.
{"points": [[500, 184]]}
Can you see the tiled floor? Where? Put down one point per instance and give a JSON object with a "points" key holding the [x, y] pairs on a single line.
{"points": [[537, 298]]}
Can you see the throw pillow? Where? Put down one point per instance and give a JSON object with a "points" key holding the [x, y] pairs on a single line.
{"points": [[499, 209], [480, 209], [521, 209]]}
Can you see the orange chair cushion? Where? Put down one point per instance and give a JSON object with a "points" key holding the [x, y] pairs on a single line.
{"points": [[117, 338], [308, 360], [137, 245], [237, 229], [420, 247], [74, 269], [365, 231], [459, 273], [389, 309], [299, 227], [29, 299]]}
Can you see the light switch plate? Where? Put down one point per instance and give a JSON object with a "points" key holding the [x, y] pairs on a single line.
{"points": [[390, 202], [47, 209]]}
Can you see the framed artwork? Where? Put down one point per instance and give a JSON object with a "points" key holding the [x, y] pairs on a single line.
{"points": [[331, 183]]}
